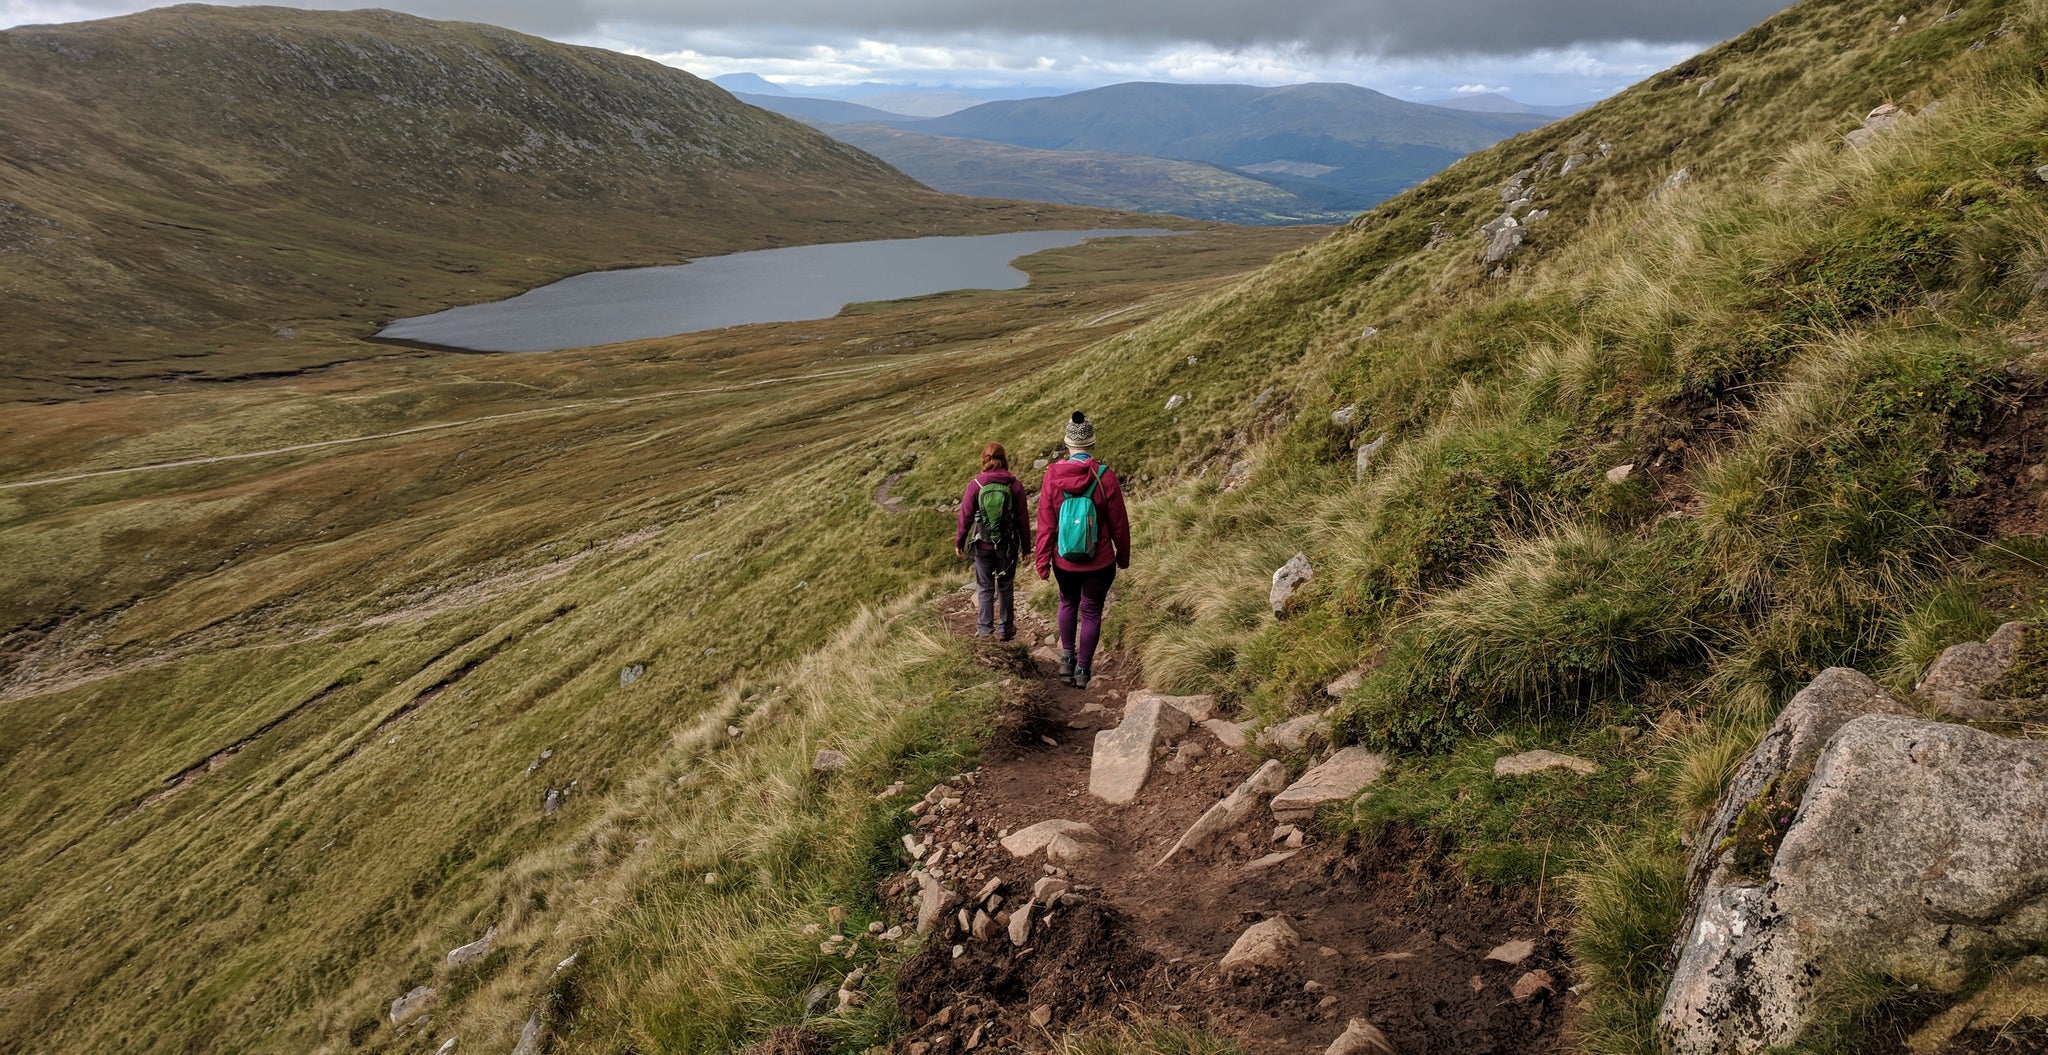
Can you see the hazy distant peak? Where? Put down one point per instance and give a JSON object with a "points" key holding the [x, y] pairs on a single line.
{"points": [[751, 83]]}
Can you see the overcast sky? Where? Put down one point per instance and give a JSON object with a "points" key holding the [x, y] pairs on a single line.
{"points": [[1542, 51]]}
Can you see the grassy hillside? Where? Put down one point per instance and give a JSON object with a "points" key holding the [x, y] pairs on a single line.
{"points": [[187, 186], [285, 747], [987, 169]]}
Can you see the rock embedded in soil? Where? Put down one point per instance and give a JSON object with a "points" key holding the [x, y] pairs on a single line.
{"points": [[1513, 952], [464, 955], [1020, 923], [1041, 836], [827, 761], [934, 900], [1532, 983], [1532, 762], [1287, 579], [1234, 809], [413, 1004], [1367, 453], [1360, 1037], [1294, 735], [1965, 680], [1345, 685], [529, 1037], [1264, 946], [1229, 734], [1123, 755], [1347, 773], [1197, 708]]}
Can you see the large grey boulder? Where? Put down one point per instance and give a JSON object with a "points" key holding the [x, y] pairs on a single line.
{"points": [[1232, 810], [1123, 755], [1347, 773], [1919, 848], [1838, 696]]}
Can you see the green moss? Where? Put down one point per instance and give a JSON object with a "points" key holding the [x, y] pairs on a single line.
{"points": [[1762, 824]]}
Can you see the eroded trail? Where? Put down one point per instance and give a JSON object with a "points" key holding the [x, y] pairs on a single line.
{"points": [[1384, 933]]}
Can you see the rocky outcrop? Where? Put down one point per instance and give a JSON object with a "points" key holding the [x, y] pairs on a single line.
{"points": [[1917, 847], [464, 955]]}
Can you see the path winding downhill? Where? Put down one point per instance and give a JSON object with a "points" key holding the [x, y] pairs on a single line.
{"points": [[1385, 933]]}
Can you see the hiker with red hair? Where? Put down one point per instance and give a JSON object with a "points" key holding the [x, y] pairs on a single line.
{"points": [[993, 528]]}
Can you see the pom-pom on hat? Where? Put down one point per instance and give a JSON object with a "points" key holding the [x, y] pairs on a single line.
{"points": [[1080, 434]]}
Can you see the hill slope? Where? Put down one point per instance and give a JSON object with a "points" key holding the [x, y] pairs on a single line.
{"points": [[1354, 143], [189, 183], [983, 168], [1746, 402]]}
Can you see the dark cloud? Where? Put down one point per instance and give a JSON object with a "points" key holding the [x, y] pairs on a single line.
{"points": [[1382, 27], [1387, 27]]}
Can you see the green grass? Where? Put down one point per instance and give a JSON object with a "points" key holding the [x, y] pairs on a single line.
{"points": [[1802, 353]]}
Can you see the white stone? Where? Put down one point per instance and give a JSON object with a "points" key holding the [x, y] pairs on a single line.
{"points": [[1620, 472], [1360, 1038], [413, 1004], [463, 955]]}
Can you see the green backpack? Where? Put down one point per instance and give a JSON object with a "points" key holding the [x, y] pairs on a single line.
{"points": [[1079, 525], [992, 517]]}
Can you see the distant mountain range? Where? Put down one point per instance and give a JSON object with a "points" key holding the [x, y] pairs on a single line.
{"points": [[1324, 152], [1499, 103]]}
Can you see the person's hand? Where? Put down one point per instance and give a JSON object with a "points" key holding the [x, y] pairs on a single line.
{"points": [[959, 551], [1043, 575]]}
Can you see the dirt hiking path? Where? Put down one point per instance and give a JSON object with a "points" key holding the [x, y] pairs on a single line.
{"points": [[1386, 934]]}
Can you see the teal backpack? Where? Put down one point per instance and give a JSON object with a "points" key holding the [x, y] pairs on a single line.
{"points": [[1079, 524]]}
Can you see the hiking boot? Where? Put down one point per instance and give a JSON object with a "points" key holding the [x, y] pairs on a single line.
{"points": [[1067, 666], [1080, 679]]}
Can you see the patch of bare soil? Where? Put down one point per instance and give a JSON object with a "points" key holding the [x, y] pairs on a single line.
{"points": [[2013, 497], [1386, 933]]}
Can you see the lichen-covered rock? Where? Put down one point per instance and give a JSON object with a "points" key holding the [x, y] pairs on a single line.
{"points": [[1920, 849], [1793, 742]]}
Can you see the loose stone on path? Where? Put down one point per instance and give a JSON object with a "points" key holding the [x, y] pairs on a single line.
{"points": [[1233, 809], [1123, 755], [1263, 947]]}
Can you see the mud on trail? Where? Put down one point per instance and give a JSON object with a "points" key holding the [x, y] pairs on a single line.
{"points": [[1386, 933]]}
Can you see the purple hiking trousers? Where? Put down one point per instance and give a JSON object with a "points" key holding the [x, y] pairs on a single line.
{"points": [[1082, 595]]}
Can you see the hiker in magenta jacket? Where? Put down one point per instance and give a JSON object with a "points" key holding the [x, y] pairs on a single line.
{"points": [[995, 567], [1084, 585]]}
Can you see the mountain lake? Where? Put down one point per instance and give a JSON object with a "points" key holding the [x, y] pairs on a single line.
{"points": [[791, 284]]}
